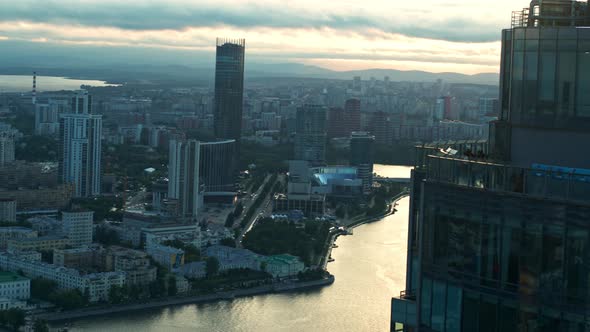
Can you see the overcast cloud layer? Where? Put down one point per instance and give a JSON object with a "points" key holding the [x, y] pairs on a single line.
{"points": [[448, 35]]}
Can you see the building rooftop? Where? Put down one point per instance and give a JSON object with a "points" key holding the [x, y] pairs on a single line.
{"points": [[10, 277], [15, 229]]}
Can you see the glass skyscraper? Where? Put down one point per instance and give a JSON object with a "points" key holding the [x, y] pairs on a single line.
{"points": [[229, 88], [499, 232]]}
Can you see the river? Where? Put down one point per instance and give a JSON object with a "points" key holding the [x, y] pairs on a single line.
{"points": [[24, 83], [369, 268]]}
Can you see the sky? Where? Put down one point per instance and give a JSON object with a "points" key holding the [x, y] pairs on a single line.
{"points": [[432, 35]]}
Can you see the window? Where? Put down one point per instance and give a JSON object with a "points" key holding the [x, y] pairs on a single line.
{"points": [[547, 83], [438, 305], [425, 305], [583, 87], [552, 268], [530, 260], [577, 256], [453, 316], [470, 319], [516, 87]]}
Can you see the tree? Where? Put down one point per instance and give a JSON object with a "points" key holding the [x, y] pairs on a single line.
{"points": [[157, 288], [69, 299], [117, 294], [228, 242], [42, 288], [229, 221], [172, 288], [14, 318], [40, 326], [212, 266]]}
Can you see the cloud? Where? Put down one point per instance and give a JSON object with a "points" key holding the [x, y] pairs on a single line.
{"points": [[476, 21], [299, 43], [432, 35]]}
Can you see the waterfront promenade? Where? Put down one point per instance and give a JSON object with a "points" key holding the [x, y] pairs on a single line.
{"points": [[175, 301]]}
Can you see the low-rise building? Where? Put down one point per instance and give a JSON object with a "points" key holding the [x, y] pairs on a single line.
{"points": [[40, 199], [79, 258], [14, 286], [182, 285], [136, 264], [15, 233], [193, 270], [280, 266], [7, 304], [96, 285], [233, 258], [42, 243], [168, 256], [45, 225], [77, 226]]}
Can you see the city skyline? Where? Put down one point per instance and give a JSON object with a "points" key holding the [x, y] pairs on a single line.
{"points": [[385, 35]]}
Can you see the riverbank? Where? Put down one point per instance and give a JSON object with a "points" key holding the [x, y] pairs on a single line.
{"points": [[390, 210], [277, 288], [333, 237]]}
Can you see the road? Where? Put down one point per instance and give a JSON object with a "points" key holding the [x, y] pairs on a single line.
{"points": [[264, 210], [135, 201]]}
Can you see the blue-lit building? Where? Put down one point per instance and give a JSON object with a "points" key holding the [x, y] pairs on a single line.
{"points": [[337, 182], [499, 232]]}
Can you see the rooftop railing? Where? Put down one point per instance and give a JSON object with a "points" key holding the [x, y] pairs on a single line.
{"points": [[552, 13], [473, 172]]}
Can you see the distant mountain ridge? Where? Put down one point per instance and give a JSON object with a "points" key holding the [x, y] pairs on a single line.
{"points": [[301, 70], [125, 64]]}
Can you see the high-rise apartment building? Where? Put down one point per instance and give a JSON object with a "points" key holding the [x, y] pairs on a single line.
{"points": [[229, 88], [443, 109], [381, 125], [80, 148], [342, 122], [499, 238], [77, 226], [7, 147], [362, 157], [184, 183], [310, 134]]}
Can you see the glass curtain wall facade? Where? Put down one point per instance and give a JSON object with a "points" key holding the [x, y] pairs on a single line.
{"points": [[500, 242], [217, 168], [229, 88]]}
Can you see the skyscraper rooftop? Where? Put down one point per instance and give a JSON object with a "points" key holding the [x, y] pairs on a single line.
{"points": [[552, 13]]}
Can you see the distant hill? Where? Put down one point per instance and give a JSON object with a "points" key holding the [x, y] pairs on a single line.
{"points": [[300, 70], [121, 64]]}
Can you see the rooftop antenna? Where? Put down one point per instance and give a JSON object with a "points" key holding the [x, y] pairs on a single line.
{"points": [[34, 99]]}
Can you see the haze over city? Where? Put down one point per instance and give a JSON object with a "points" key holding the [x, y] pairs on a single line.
{"points": [[279, 166], [436, 36]]}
